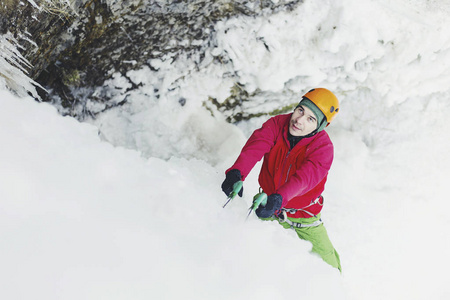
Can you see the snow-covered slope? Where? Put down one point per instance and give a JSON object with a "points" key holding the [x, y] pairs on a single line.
{"points": [[83, 219]]}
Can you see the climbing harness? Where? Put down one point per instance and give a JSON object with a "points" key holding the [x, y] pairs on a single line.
{"points": [[283, 218], [261, 199], [318, 200]]}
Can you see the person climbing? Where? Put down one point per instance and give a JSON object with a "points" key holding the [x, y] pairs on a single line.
{"points": [[298, 154]]}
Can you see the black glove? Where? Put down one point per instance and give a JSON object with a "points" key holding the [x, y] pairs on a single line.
{"points": [[231, 178], [274, 203]]}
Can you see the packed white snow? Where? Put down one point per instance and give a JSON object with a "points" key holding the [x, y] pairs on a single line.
{"points": [[130, 207], [82, 219]]}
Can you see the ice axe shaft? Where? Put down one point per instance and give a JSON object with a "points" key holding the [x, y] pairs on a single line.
{"points": [[259, 199], [236, 189]]}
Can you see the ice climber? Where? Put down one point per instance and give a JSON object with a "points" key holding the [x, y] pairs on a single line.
{"points": [[298, 154]]}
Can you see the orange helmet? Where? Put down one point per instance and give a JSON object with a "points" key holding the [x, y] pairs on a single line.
{"points": [[325, 100]]}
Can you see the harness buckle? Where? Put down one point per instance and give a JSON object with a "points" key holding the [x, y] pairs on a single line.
{"points": [[317, 201], [282, 216]]}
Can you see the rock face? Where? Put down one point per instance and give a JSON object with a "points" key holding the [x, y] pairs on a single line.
{"points": [[78, 46]]}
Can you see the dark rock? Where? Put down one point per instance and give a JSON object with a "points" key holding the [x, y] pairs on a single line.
{"points": [[82, 46]]}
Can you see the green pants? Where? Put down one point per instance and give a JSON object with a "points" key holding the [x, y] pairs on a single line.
{"points": [[318, 236]]}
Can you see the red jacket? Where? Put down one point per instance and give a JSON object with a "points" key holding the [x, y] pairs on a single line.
{"points": [[298, 175]]}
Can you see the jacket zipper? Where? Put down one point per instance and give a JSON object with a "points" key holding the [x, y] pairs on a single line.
{"points": [[287, 174], [282, 170]]}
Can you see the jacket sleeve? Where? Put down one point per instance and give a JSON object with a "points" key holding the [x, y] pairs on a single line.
{"points": [[311, 172], [259, 143]]}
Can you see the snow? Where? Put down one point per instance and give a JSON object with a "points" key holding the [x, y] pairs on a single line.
{"points": [[82, 219], [129, 206]]}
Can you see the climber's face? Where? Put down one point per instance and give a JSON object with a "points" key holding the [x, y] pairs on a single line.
{"points": [[303, 121]]}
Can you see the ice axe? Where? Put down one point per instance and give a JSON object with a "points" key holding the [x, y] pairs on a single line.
{"points": [[259, 199], [236, 188]]}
